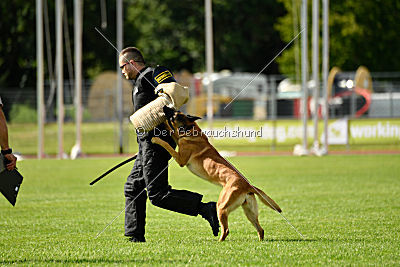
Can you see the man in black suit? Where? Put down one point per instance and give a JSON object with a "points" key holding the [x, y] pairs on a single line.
{"points": [[150, 170]]}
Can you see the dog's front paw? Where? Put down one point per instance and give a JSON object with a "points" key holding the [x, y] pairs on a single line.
{"points": [[155, 140]]}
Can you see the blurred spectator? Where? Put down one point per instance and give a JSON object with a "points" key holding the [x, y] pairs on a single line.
{"points": [[6, 151]]}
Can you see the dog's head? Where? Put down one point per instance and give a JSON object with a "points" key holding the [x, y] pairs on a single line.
{"points": [[178, 120]]}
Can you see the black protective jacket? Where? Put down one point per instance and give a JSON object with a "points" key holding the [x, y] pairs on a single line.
{"points": [[150, 170]]}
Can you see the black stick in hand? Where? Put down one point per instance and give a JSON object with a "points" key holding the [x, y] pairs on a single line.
{"points": [[113, 168]]}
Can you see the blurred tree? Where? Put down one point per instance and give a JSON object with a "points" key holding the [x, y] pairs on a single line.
{"points": [[366, 33], [245, 39], [17, 43], [172, 34], [169, 33], [361, 33]]}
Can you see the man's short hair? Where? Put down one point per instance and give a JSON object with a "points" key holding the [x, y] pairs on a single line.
{"points": [[132, 53]]}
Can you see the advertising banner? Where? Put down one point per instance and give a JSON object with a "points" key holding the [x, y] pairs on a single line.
{"points": [[287, 132]]}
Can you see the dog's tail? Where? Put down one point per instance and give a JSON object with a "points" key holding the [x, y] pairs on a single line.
{"points": [[266, 199]]}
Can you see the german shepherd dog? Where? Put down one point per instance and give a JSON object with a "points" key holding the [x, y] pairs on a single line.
{"points": [[195, 152]]}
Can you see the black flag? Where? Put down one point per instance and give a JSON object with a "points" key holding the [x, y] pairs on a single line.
{"points": [[10, 182]]}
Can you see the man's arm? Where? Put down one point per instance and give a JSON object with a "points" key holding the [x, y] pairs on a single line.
{"points": [[12, 160]]}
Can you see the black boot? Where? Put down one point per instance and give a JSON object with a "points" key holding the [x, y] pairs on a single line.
{"points": [[136, 239], [209, 212]]}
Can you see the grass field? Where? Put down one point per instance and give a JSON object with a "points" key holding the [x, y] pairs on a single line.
{"points": [[348, 208]]}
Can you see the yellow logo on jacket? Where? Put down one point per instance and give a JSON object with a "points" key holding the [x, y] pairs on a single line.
{"points": [[162, 76]]}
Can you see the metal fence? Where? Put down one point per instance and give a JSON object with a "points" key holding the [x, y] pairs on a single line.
{"points": [[264, 98]]}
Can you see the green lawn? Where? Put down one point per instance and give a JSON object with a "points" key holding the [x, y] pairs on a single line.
{"points": [[348, 208]]}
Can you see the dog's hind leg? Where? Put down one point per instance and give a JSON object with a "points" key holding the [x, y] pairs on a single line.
{"points": [[223, 221], [250, 208], [228, 201]]}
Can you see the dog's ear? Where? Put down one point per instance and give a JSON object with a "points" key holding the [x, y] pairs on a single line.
{"points": [[193, 118], [169, 112]]}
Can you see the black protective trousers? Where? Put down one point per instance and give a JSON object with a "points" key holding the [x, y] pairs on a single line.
{"points": [[150, 171]]}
